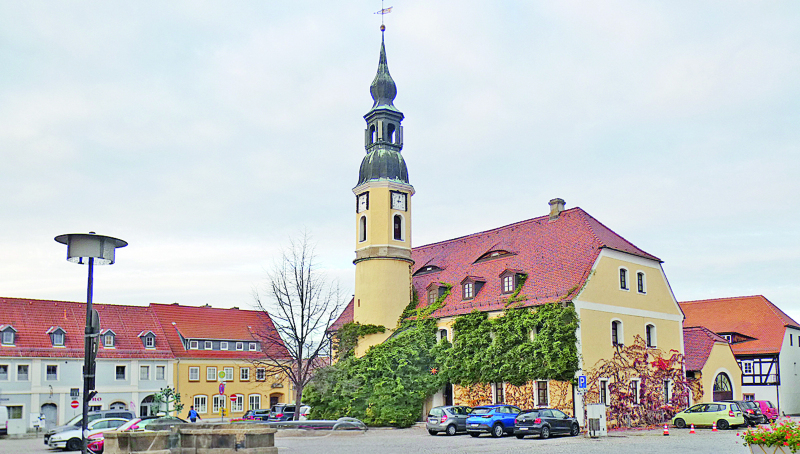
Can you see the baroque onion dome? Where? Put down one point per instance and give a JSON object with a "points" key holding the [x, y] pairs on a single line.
{"points": [[384, 134]]}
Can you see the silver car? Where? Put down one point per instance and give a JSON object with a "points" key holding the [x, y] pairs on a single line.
{"points": [[449, 419]]}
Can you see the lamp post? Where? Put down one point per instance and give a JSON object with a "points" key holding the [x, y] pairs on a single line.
{"points": [[89, 248]]}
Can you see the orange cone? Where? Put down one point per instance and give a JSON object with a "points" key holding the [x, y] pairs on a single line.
{"points": [[666, 430], [714, 427], [691, 431]]}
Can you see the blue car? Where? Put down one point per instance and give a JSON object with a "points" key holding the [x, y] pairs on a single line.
{"points": [[492, 419]]}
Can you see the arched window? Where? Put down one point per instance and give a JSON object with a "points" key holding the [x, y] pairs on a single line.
{"points": [[442, 334], [390, 136], [641, 286], [722, 387], [398, 227], [623, 279], [362, 229], [372, 134], [617, 336], [650, 334]]}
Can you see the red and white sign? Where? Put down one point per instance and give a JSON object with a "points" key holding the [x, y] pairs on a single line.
{"points": [[234, 397], [74, 404]]}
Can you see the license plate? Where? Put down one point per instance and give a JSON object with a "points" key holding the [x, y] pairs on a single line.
{"points": [[474, 425], [522, 428]]}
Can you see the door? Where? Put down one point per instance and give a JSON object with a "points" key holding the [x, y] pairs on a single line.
{"points": [[448, 394], [50, 412], [561, 422], [722, 387], [149, 407]]}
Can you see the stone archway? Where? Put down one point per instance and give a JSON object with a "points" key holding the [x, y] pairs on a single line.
{"points": [[275, 398], [118, 406], [723, 390], [149, 407]]}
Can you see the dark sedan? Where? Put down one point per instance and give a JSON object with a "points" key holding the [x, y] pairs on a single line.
{"points": [[545, 422]]}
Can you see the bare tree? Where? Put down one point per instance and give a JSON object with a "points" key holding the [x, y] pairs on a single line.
{"points": [[302, 304]]}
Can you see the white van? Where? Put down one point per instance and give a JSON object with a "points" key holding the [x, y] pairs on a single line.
{"points": [[3, 420]]}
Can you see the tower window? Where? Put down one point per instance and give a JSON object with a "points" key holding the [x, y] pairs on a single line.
{"points": [[623, 279], [362, 229], [390, 133], [372, 134], [398, 227]]}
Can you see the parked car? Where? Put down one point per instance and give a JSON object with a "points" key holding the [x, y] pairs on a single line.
{"points": [[725, 414], [768, 410], [493, 419], [544, 422], [305, 412], [70, 440], [257, 415], [97, 441], [750, 411], [76, 421], [282, 412], [449, 419], [3, 420]]}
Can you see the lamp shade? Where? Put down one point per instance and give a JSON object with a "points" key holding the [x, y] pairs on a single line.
{"points": [[81, 246]]}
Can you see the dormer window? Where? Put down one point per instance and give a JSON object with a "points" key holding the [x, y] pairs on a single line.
{"points": [[494, 254], [207, 345], [193, 345], [468, 291], [435, 291], [252, 346], [57, 336], [427, 269], [509, 280], [240, 346], [470, 287], [149, 339], [8, 334], [108, 338], [223, 345]]}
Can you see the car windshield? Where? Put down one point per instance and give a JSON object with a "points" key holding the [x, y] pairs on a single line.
{"points": [[481, 411], [76, 421]]}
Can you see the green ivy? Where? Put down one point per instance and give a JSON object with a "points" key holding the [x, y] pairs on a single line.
{"points": [[348, 335]]}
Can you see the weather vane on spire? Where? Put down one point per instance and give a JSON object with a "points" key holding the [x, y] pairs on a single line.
{"points": [[383, 12]]}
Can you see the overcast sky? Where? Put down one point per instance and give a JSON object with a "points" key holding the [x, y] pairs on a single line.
{"points": [[207, 133]]}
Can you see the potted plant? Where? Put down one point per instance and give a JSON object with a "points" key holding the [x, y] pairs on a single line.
{"points": [[780, 438]]}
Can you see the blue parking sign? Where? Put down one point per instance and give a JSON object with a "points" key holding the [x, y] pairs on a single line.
{"points": [[581, 381]]}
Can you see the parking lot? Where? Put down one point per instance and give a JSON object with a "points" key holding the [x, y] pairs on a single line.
{"points": [[417, 440]]}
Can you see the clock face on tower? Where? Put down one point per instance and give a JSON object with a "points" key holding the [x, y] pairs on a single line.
{"points": [[398, 201], [362, 202]]}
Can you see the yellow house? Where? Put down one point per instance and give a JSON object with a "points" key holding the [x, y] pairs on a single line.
{"points": [[220, 364], [711, 366]]}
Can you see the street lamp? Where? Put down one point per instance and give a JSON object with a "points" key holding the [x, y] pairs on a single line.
{"points": [[89, 248]]}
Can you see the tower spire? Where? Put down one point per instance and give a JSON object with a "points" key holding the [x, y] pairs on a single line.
{"points": [[383, 88]]}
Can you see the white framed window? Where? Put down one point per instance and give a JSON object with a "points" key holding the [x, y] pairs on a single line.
{"points": [[634, 386], [149, 342], [498, 393], [144, 372], [211, 373], [468, 290], [108, 340], [641, 282], [194, 374], [603, 390], [228, 373], [623, 279], [728, 338], [254, 401], [261, 374], [58, 339], [442, 334], [201, 404], [217, 402], [432, 294], [362, 229], [8, 337], [399, 227], [508, 284], [244, 373], [542, 393], [52, 372], [15, 411], [4, 372], [650, 335], [617, 335], [161, 372], [252, 346], [667, 385], [223, 345], [240, 346], [238, 404], [747, 367], [193, 345], [120, 372], [23, 372], [207, 345]]}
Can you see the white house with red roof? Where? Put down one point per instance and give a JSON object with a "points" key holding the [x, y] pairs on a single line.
{"points": [[765, 341], [41, 358]]}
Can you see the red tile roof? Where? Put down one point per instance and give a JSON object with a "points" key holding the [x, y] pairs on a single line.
{"points": [[205, 322], [345, 317], [698, 342], [556, 255], [753, 316], [33, 318]]}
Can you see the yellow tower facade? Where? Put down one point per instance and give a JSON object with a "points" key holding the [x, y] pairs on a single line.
{"points": [[383, 215]]}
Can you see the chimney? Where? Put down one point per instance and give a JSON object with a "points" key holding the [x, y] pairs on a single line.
{"points": [[556, 207]]}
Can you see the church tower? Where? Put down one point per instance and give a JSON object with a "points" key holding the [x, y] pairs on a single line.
{"points": [[383, 214]]}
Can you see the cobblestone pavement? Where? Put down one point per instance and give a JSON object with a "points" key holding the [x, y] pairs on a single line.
{"points": [[416, 440]]}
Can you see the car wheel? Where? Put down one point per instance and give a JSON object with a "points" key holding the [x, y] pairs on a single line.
{"points": [[432, 432], [74, 444], [575, 430], [497, 431], [451, 430], [680, 423], [520, 436], [722, 424], [475, 434], [545, 433]]}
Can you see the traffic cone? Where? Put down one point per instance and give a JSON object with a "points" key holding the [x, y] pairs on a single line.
{"points": [[691, 431], [666, 430], [714, 427]]}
